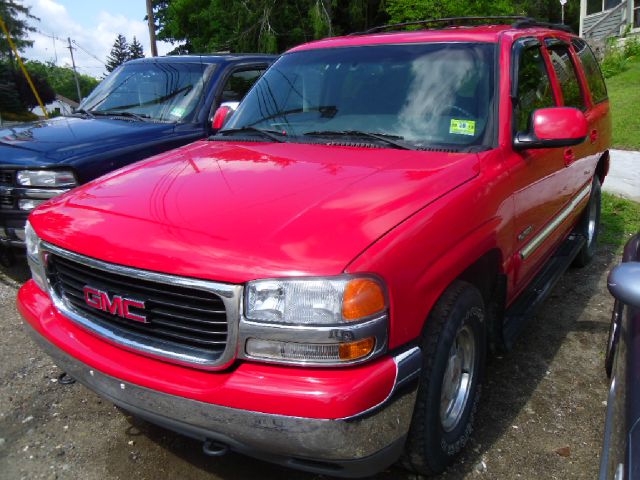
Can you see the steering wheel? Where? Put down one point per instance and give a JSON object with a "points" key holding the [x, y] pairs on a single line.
{"points": [[459, 109]]}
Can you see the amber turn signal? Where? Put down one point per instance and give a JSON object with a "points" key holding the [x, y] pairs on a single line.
{"points": [[355, 350], [362, 297]]}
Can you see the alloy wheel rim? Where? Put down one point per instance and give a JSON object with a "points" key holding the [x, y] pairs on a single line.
{"points": [[458, 379]]}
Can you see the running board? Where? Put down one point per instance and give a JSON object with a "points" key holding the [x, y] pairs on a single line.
{"points": [[527, 304]]}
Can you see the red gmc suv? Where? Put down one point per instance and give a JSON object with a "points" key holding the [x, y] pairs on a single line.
{"points": [[319, 283]]}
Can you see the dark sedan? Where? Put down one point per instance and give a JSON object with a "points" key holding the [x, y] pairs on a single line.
{"points": [[621, 449]]}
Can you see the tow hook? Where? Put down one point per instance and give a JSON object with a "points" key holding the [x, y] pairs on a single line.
{"points": [[65, 379], [214, 449]]}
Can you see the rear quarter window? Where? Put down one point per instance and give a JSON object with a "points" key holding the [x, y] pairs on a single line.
{"points": [[567, 76], [595, 81]]}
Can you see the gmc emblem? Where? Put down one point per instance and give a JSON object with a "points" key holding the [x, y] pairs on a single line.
{"points": [[117, 305]]}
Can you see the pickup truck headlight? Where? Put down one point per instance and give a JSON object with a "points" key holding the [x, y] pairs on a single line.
{"points": [[34, 258], [327, 321], [46, 178]]}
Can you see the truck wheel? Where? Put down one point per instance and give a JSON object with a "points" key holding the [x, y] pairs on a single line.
{"points": [[589, 226], [454, 349]]}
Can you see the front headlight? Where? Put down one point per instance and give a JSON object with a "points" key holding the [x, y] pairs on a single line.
{"points": [[323, 301], [33, 256], [327, 321], [46, 178]]}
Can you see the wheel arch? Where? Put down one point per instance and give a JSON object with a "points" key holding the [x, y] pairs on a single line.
{"points": [[602, 168]]}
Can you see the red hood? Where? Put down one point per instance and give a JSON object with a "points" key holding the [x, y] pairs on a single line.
{"points": [[234, 212]]}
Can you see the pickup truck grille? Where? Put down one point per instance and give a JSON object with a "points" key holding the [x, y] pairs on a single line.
{"points": [[6, 177], [178, 317], [6, 201]]}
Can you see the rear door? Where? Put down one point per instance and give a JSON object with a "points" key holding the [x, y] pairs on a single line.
{"points": [[597, 113]]}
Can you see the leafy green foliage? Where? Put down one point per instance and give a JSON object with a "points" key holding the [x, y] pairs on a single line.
{"points": [[61, 79], [16, 18], [259, 25], [406, 10], [275, 25], [15, 94]]}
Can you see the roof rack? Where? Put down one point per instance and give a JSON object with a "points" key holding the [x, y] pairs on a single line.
{"points": [[529, 22], [519, 21]]}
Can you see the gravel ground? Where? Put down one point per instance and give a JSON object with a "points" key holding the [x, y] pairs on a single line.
{"points": [[541, 415]]}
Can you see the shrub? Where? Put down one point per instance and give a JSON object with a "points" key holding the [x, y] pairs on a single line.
{"points": [[617, 55]]}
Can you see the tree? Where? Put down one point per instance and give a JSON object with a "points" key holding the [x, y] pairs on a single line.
{"points": [[259, 25], [16, 18], [544, 10], [61, 79], [135, 49], [407, 11], [27, 98], [119, 53]]}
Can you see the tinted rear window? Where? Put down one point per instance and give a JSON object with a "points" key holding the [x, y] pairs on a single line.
{"points": [[567, 76], [591, 70]]}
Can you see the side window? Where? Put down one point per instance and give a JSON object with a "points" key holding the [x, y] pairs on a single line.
{"points": [[239, 83], [534, 88], [567, 76], [591, 70]]}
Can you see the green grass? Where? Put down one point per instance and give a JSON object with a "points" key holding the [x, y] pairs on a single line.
{"points": [[620, 219], [624, 94]]}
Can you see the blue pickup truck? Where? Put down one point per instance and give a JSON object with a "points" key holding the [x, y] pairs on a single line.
{"points": [[144, 107]]}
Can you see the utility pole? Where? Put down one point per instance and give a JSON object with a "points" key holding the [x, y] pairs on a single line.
{"points": [[152, 29], [75, 73]]}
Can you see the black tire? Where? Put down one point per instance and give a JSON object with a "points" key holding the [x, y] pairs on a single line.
{"points": [[587, 229], [432, 444]]}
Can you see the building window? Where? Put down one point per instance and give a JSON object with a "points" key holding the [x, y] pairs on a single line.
{"points": [[597, 6], [636, 14]]}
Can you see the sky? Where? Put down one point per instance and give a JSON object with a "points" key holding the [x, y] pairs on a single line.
{"points": [[92, 24]]}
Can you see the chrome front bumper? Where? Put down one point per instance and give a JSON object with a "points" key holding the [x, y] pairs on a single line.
{"points": [[351, 447]]}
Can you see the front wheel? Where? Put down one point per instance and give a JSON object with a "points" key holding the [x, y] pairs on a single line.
{"points": [[454, 349]]}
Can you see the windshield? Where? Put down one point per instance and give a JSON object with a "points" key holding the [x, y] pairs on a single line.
{"points": [[155, 90], [425, 95]]}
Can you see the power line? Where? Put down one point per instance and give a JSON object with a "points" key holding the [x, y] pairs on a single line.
{"points": [[87, 52], [54, 37]]}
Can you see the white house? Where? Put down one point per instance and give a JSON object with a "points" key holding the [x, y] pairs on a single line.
{"points": [[61, 105], [601, 19]]}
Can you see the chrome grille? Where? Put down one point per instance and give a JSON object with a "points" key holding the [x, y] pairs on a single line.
{"points": [[182, 320]]}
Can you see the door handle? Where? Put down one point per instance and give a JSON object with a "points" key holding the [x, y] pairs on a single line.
{"points": [[569, 156], [593, 136]]}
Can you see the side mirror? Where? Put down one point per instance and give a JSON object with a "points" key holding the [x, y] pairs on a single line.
{"points": [[624, 283], [553, 127], [222, 115]]}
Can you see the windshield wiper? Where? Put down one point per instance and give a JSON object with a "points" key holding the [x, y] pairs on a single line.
{"points": [[393, 140], [108, 113], [82, 111], [274, 135]]}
